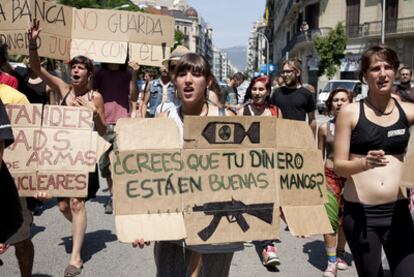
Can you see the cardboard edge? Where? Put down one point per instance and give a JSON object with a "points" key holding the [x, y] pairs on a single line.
{"points": [[307, 220], [150, 227]]}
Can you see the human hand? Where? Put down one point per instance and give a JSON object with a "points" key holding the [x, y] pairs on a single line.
{"points": [[3, 247], [375, 158], [141, 243], [34, 31], [134, 114], [134, 66], [42, 196], [82, 102]]}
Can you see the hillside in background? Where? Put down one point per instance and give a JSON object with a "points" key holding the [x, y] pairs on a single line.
{"points": [[237, 56]]}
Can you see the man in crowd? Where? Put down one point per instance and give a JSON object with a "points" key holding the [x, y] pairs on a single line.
{"points": [[118, 86], [403, 90], [162, 91], [295, 101], [228, 93]]}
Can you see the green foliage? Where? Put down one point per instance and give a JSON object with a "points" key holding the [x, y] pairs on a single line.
{"points": [[178, 38], [101, 4], [331, 49], [81, 3]]}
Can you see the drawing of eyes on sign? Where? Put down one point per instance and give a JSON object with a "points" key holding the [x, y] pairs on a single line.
{"points": [[101, 35], [225, 183], [54, 150]]}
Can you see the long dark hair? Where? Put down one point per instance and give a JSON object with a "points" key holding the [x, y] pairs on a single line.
{"points": [[264, 79]]}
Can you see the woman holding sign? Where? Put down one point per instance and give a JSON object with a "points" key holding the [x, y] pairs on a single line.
{"points": [[75, 94], [336, 101], [192, 78], [370, 142], [257, 104]]}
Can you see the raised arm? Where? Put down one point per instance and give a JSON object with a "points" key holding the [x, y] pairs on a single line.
{"points": [[54, 82], [134, 87]]}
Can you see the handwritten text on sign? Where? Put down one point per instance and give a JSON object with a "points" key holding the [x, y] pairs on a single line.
{"points": [[102, 35], [149, 175], [53, 149]]}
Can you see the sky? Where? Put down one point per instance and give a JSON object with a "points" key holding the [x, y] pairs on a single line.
{"points": [[231, 20]]}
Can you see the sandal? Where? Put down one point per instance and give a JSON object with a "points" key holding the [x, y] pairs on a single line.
{"points": [[72, 270]]}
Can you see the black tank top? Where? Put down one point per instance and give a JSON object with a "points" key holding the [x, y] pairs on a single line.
{"points": [[367, 136]]}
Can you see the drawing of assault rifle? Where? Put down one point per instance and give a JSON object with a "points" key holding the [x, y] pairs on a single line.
{"points": [[233, 211]]}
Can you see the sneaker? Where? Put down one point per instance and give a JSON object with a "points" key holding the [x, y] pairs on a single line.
{"points": [[330, 270], [341, 264], [270, 257], [108, 207]]}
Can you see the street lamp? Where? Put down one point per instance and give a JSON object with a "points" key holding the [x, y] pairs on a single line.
{"points": [[383, 22], [267, 49]]}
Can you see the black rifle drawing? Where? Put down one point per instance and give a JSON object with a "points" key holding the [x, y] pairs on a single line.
{"points": [[233, 211]]}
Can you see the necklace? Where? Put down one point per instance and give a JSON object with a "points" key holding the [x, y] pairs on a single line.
{"points": [[378, 110]]}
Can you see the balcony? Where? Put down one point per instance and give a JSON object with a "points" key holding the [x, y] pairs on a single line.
{"points": [[373, 29], [304, 38]]}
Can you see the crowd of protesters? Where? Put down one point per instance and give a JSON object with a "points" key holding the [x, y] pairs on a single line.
{"points": [[362, 143]]}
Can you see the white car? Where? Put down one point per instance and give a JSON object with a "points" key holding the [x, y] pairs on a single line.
{"points": [[359, 91]]}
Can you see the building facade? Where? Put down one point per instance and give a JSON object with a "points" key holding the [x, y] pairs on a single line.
{"points": [[257, 47], [362, 19], [197, 34]]}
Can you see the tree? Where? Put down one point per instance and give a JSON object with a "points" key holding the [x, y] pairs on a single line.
{"points": [[178, 38], [331, 50], [101, 4]]}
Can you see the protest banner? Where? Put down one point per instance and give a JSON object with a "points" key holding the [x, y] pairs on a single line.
{"points": [[101, 35], [55, 19], [226, 184], [54, 150]]}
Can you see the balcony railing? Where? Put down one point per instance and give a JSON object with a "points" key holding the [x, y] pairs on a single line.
{"points": [[393, 26], [304, 37]]}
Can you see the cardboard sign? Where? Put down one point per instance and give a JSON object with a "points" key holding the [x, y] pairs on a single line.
{"points": [[225, 185], [148, 54], [407, 176], [55, 19], [101, 35], [54, 149], [123, 26]]}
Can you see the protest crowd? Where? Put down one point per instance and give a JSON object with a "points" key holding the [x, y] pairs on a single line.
{"points": [[367, 138]]}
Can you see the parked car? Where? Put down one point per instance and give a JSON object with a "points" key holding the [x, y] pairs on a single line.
{"points": [[358, 89]]}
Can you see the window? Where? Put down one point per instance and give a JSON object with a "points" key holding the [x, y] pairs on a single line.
{"points": [[312, 16], [352, 17]]}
